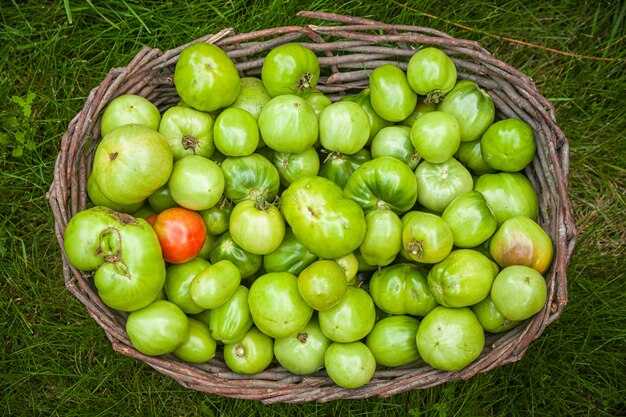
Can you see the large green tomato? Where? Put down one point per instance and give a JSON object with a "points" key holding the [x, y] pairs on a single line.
{"points": [[322, 218], [471, 219], [376, 122], [391, 95], [250, 177], [436, 136], [158, 328], [292, 166], [383, 238], [426, 237], [196, 183], [276, 306], [303, 352], [236, 132], [472, 107], [395, 141], [257, 228], [508, 145], [402, 289], [206, 78], [338, 167], [521, 241], [344, 127], [178, 284], [462, 279], [351, 319], [230, 321], [450, 338], [131, 162], [519, 292], [188, 132], [124, 251], [288, 124], [199, 346], [383, 183], [252, 96], [439, 184], [349, 365], [129, 109], [225, 248], [290, 256], [290, 69], [250, 355], [509, 194], [392, 341], [431, 73], [322, 284], [213, 286]]}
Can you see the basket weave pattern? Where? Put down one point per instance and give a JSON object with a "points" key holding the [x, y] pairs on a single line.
{"points": [[348, 49]]}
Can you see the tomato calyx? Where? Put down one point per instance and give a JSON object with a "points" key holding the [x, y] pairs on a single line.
{"points": [[190, 142], [434, 97], [240, 350], [415, 248], [302, 337], [304, 82]]}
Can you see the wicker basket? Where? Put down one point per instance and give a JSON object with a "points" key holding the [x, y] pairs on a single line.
{"points": [[348, 49]]}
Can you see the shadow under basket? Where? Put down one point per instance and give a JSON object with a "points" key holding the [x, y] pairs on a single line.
{"points": [[349, 49]]}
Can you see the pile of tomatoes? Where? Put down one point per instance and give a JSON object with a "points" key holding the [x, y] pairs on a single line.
{"points": [[260, 221]]}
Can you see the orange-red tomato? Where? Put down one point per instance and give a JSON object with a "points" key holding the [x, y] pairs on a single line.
{"points": [[181, 233]]}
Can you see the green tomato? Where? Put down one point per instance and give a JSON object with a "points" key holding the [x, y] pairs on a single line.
{"points": [[217, 217], [391, 95], [383, 183], [276, 306], [338, 167], [250, 177], [395, 141], [431, 73], [252, 96], [402, 289], [213, 286], [318, 100], [439, 184], [350, 265], [236, 132], [472, 107], [290, 69], [420, 109], [492, 320], [131, 162], [383, 237], [188, 132], [509, 194], [230, 322], [129, 109], [158, 328], [519, 292], [436, 136], [205, 77], [462, 279], [469, 153], [288, 124], [178, 284], [290, 256], [344, 127], [427, 238], [292, 166], [258, 229], [349, 365], [392, 341], [508, 145], [250, 355], [226, 248], [322, 284], [351, 319], [161, 199], [303, 352], [450, 338], [199, 346], [196, 183], [471, 219], [376, 122], [521, 241], [322, 218]]}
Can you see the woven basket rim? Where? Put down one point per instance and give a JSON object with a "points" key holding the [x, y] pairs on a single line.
{"points": [[348, 48]]}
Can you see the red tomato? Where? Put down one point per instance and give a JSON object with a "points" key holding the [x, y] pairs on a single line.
{"points": [[181, 233]]}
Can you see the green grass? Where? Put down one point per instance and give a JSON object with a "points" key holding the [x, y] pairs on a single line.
{"points": [[55, 360]]}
